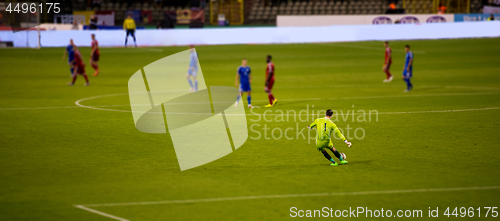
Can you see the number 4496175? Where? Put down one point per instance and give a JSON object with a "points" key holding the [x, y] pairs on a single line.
{"points": [[471, 211], [32, 8]]}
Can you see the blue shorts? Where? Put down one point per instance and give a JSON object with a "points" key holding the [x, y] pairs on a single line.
{"points": [[245, 87], [192, 73], [408, 74]]}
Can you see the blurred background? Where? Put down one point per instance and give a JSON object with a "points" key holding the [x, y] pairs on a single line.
{"points": [[153, 14]]}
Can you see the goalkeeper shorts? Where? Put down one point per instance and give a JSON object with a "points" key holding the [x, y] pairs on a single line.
{"points": [[322, 144]]}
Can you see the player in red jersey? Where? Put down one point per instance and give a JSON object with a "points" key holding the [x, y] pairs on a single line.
{"points": [[94, 55], [387, 62], [79, 68], [270, 82]]}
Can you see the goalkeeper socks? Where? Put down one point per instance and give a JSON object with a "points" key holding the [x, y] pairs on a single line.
{"points": [[196, 85], [337, 154], [190, 82], [249, 99], [328, 157]]}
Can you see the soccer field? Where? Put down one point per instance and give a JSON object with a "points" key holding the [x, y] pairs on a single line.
{"points": [[73, 152]]}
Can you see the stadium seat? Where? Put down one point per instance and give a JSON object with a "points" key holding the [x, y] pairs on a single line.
{"points": [[281, 8], [156, 15]]}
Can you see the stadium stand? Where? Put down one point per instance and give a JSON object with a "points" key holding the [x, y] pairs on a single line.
{"points": [[265, 11]]}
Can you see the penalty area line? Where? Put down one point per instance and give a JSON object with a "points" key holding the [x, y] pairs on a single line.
{"points": [[293, 196]]}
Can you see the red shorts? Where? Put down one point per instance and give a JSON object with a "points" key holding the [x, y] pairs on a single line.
{"points": [[79, 69], [95, 57], [270, 86]]}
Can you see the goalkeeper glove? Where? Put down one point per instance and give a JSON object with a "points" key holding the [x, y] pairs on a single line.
{"points": [[349, 144]]}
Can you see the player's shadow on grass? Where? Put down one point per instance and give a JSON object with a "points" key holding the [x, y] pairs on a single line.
{"points": [[352, 163]]}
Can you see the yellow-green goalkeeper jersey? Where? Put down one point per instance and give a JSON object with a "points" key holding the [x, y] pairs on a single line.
{"points": [[129, 24], [324, 128]]}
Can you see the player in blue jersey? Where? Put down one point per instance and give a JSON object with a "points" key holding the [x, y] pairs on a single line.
{"points": [[244, 78], [193, 69], [70, 51], [408, 69]]}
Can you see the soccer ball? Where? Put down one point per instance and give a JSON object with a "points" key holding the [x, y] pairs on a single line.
{"points": [[343, 155]]}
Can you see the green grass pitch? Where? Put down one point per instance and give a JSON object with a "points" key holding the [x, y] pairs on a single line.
{"points": [[442, 135]]}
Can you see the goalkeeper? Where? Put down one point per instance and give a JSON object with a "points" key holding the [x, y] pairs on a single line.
{"points": [[325, 127]]}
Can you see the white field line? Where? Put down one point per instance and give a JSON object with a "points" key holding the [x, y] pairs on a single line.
{"points": [[344, 98], [469, 87], [346, 114], [100, 213], [98, 107], [311, 99], [36, 108], [78, 103], [292, 196]]}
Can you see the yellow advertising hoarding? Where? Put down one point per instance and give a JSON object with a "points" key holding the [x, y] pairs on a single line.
{"points": [[82, 17]]}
